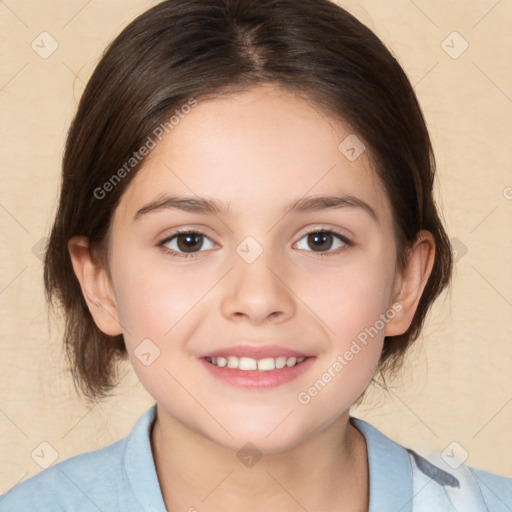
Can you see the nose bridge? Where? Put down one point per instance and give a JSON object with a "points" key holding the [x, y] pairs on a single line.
{"points": [[257, 288]]}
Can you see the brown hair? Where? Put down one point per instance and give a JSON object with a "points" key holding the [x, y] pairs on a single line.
{"points": [[178, 50]]}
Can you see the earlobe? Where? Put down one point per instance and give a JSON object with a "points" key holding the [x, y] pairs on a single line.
{"points": [[411, 283], [95, 285]]}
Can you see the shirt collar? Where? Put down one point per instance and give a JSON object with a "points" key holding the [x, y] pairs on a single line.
{"points": [[390, 469], [139, 465], [389, 466]]}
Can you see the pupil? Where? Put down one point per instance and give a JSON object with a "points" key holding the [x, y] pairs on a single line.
{"points": [[318, 239], [186, 241]]}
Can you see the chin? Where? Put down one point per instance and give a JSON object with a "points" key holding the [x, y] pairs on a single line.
{"points": [[264, 437]]}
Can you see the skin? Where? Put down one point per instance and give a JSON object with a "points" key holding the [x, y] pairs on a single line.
{"points": [[258, 150]]}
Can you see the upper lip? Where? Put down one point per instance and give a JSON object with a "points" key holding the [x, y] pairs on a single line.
{"points": [[255, 352]]}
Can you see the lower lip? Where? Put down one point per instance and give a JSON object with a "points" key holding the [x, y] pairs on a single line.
{"points": [[254, 379]]}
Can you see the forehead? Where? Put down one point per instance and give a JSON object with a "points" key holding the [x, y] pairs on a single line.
{"points": [[256, 150]]}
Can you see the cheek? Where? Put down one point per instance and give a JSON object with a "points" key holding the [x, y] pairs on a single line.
{"points": [[353, 306], [350, 299], [153, 306], [152, 300]]}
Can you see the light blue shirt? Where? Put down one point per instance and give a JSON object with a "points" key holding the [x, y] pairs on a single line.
{"points": [[122, 477]]}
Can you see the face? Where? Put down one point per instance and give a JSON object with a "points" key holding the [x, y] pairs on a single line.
{"points": [[254, 282]]}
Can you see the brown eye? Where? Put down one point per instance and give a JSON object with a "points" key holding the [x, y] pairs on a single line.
{"points": [[321, 241], [186, 243]]}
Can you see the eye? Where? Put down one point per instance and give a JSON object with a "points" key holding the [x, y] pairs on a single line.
{"points": [[185, 243], [323, 240], [188, 243]]}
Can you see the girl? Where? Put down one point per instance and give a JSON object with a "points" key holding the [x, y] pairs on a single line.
{"points": [[247, 215]]}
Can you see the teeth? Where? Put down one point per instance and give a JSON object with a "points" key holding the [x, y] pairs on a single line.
{"points": [[267, 364], [248, 363], [291, 361], [280, 362]]}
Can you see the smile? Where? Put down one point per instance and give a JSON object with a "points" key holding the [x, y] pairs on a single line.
{"points": [[248, 363], [256, 374]]}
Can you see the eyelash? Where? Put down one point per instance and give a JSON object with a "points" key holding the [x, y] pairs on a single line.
{"points": [[348, 243]]}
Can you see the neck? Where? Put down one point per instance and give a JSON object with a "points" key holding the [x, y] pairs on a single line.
{"points": [[327, 471]]}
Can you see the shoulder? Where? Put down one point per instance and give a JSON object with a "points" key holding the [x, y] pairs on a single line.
{"points": [[88, 476], [496, 490], [119, 477], [429, 482], [462, 487]]}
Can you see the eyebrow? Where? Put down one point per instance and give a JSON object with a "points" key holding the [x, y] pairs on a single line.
{"points": [[211, 206]]}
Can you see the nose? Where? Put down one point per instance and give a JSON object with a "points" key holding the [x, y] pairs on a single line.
{"points": [[258, 292]]}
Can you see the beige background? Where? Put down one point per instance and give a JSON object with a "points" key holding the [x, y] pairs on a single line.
{"points": [[458, 382]]}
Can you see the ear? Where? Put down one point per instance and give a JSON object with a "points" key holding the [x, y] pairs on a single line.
{"points": [[96, 286], [410, 283]]}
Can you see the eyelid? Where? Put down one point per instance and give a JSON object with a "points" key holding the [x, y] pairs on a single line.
{"points": [[346, 241], [324, 228], [179, 231]]}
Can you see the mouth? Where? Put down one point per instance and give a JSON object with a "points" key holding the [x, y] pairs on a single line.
{"points": [[266, 364], [251, 367]]}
